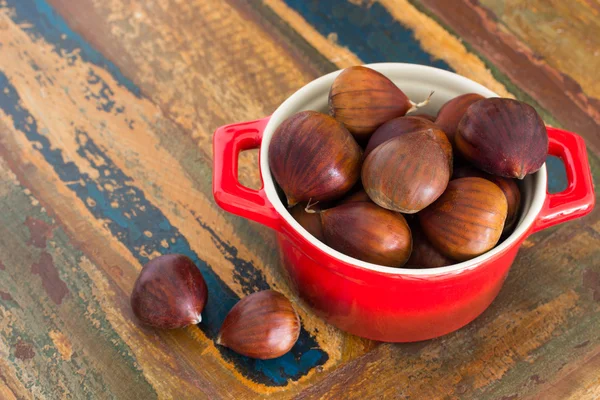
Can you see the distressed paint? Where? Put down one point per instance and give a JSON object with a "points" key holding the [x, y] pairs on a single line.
{"points": [[565, 34], [127, 224], [180, 203], [118, 131], [553, 89]]}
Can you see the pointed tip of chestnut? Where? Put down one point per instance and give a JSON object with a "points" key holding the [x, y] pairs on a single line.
{"points": [[169, 293]]}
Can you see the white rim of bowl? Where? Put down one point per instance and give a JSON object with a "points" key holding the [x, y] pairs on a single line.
{"points": [[322, 85]]}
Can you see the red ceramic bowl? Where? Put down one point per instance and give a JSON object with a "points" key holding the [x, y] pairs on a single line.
{"points": [[384, 303]]}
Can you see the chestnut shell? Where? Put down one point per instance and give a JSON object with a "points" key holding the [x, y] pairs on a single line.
{"points": [[452, 112], [313, 157], [311, 221], [424, 254], [504, 137], [467, 220], [169, 293], [508, 186], [406, 173], [356, 197], [368, 232], [363, 99], [396, 127], [263, 325]]}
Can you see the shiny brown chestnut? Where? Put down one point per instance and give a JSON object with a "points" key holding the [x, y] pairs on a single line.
{"points": [[406, 173], [313, 157], [452, 112], [424, 116], [395, 127], [169, 293], [309, 219], [263, 325], [356, 197], [402, 125], [368, 232], [508, 186], [424, 253], [467, 220], [363, 99], [504, 137]]}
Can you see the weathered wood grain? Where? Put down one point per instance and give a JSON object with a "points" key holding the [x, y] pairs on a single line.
{"points": [[96, 162], [553, 89], [106, 114], [566, 34], [431, 36]]}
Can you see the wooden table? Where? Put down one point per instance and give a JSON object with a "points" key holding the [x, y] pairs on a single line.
{"points": [[107, 109]]}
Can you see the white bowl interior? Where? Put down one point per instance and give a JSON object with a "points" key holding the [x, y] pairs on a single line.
{"points": [[417, 81]]}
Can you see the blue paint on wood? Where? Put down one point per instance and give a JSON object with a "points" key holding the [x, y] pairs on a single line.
{"points": [[41, 20], [128, 214], [370, 32]]}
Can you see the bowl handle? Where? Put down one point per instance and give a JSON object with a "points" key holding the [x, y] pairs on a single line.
{"points": [[228, 142], [578, 198]]}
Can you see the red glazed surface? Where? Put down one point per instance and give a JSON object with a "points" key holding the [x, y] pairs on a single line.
{"points": [[392, 305]]}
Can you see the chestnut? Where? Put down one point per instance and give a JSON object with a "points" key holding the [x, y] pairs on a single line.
{"points": [[452, 112], [313, 157], [403, 125], [169, 293], [368, 232], [424, 116], [263, 325], [508, 186], [424, 254], [363, 99], [396, 127], [406, 173], [504, 137], [467, 220], [309, 219], [356, 197]]}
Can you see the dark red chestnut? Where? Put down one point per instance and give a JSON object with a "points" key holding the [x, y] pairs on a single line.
{"points": [[263, 325], [467, 220], [310, 220], [356, 197], [424, 254], [314, 158], [508, 186], [363, 99], [452, 111], [406, 173], [504, 137], [424, 116], [396, 127], [169, 293], [367, 232]]}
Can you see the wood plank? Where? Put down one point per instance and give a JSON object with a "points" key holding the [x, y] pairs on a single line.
{"points": [[565, 34], [430, 36], [95, 163], [554, 90]]}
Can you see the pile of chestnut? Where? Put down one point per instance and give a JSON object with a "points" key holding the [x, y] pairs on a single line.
{"points": [[398, 190]]}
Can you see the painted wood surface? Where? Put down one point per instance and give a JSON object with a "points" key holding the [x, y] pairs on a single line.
{"points": [[107, 109]]}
